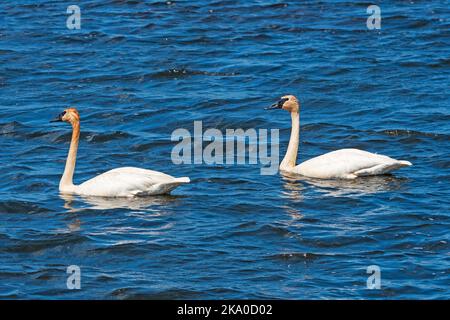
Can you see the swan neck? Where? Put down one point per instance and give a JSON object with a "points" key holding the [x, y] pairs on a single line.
{"points": [[291, 154], [67, 178]]}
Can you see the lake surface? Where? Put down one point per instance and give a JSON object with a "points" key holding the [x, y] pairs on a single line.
{"points": [[137, 71]]}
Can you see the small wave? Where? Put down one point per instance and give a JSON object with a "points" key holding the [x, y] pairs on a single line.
{"points": [[129, 249], [10, 128], [266, 230], [294, 257], [338, 242], [332, 128], [169, 294], [51, 241], [32, 5], [412, 133], [105, 137], [38, 150], [116, 39], [277, 5], [24, 207], [7, 51], [177, 73], [126, 2]]}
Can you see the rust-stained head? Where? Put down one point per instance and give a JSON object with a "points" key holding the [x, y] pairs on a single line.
{"points": [[70, 115], [288, 103]]}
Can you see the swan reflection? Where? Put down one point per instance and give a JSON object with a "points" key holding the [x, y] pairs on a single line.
{"points": [[295, 184], [102, 203]]}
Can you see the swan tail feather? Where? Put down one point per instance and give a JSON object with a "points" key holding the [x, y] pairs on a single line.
{"points": [[161, 188], [166, 188], [405, 163], [182, 180], [382, 168]]}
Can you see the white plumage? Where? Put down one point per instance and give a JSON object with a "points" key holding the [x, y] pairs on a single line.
{"points": [[129, 182], [120, 182], [340, 164], [348, 164]]}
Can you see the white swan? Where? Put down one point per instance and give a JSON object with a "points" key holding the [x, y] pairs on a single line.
{"points": [[120, 182], [340, 164]]}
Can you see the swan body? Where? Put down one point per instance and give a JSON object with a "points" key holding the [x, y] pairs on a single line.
{"points": [[127, 182], [347, 164], [339, 164], [120, 182]]}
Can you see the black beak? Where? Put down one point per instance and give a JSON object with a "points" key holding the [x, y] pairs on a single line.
{"points": [[59, 117], [277, 105]]}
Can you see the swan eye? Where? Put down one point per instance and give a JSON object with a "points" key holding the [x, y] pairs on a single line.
{"points": [[61, 115], [282, 101]]}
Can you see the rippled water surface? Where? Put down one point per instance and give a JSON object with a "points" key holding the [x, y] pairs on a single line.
{"points": [[137, 70]]}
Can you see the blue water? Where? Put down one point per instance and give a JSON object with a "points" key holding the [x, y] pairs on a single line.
{"points": [[137, 71]]}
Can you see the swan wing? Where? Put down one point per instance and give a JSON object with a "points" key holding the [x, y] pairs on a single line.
{"points": [[128, 182], [348, 164]]}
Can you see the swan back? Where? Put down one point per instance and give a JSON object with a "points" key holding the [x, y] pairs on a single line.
{"points": [[129, 182], [348, 164]]}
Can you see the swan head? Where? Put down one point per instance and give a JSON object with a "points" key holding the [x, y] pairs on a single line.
{"points": [[70, 115], [288, 103]]}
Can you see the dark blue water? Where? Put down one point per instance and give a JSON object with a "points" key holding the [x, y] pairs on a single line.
{"points": [[137, 71]]}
